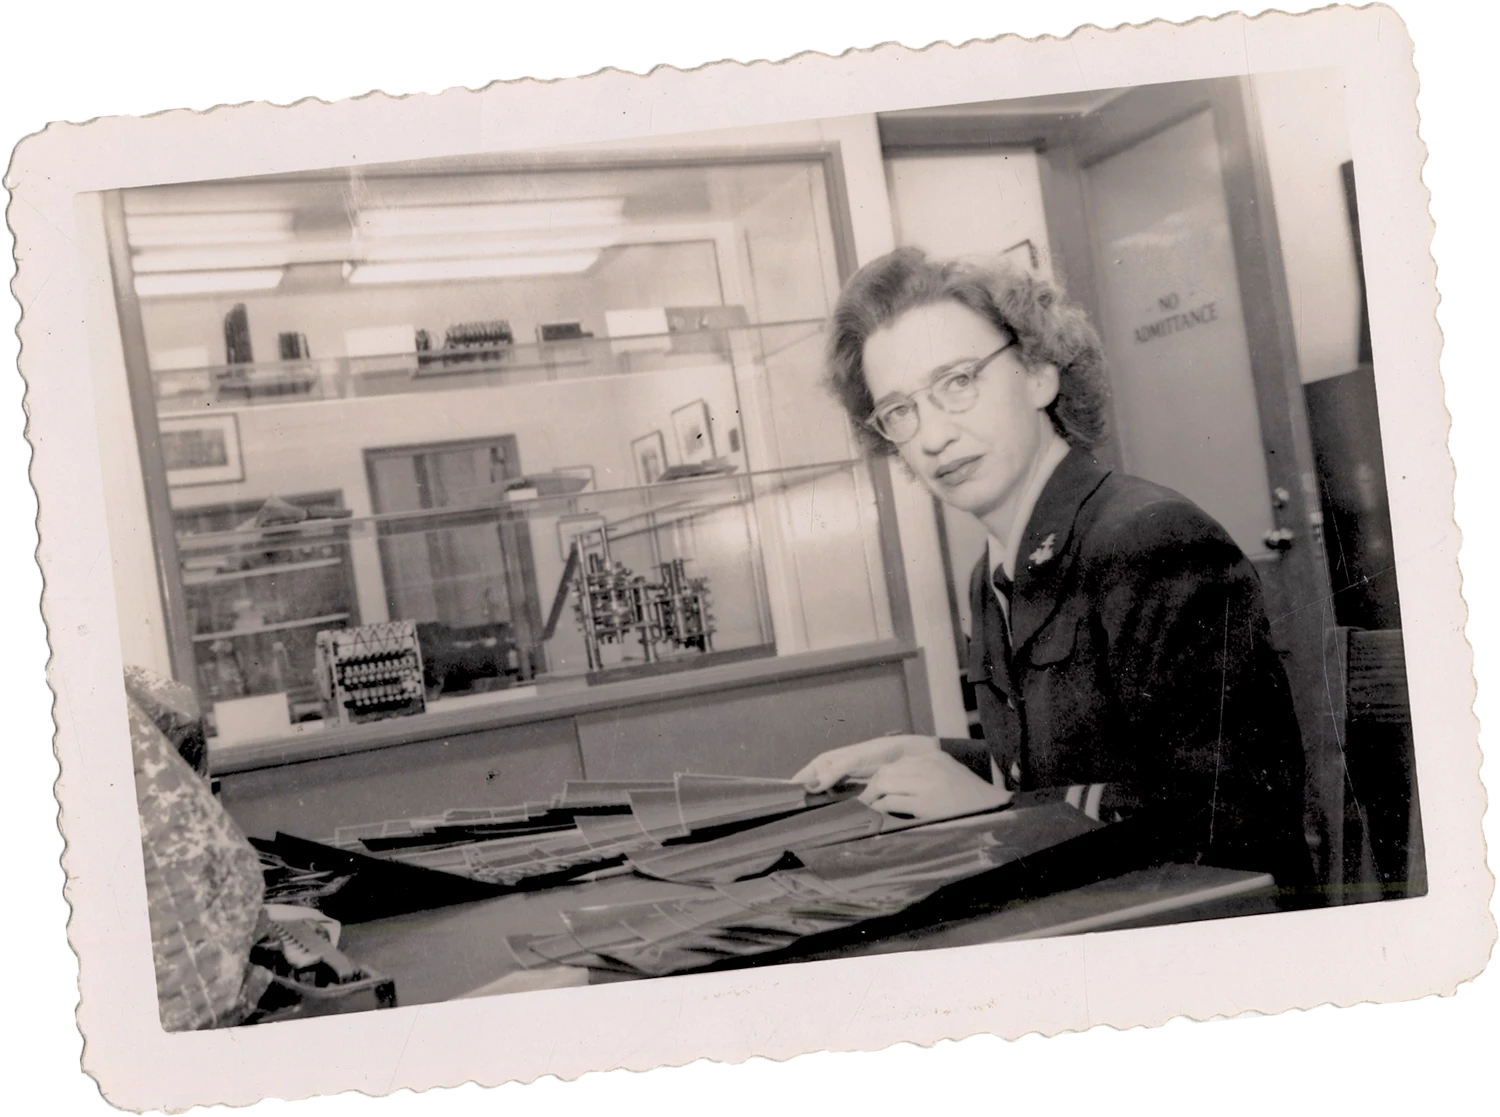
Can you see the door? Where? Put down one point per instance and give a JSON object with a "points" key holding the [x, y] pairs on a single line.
{"points": [[1190, 298], [463, 572]]}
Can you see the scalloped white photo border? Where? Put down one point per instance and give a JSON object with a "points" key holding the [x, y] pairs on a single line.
{"points": [[1377, 952]]}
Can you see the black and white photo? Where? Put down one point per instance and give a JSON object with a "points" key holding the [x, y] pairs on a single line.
{"points": [[935, 537]]}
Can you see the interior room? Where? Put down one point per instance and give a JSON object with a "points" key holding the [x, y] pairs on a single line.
{"points": [[441, 485]]}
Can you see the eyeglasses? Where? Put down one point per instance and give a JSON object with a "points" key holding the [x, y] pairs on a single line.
{"points": [[953, 392]]}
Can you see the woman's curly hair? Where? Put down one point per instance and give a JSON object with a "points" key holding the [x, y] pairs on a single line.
{"points": [[1048, 329]]}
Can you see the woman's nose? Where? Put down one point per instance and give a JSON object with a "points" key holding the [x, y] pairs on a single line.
{"points": [[937, 430]]}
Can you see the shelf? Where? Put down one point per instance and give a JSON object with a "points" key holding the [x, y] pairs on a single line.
{"points": [[280, 626], [762, 482], [257, 572], [323, 379]]}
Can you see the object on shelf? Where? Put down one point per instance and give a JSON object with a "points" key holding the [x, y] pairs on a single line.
{"points": [[617, 606], [549, 484], [248, 381], [715, 467], [697, 319], [182, 373], [467, 344], [646, 321], [243, 379], [293, 346], [252, 719], [701, 329], [237, 349], [225, 676], [370, 673], [275, 512], [479, 335], [476, 658], [561, 331], [373, 350], [249, 615]]}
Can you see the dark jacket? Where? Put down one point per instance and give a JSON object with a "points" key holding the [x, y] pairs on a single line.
{"points": [[1141, 661]]}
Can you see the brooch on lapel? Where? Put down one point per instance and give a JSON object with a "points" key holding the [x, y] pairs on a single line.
{"points": [[1044, 552]]}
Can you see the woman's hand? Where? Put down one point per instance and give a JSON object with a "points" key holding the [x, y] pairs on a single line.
{"points": [[931, 785], [861, 761]]}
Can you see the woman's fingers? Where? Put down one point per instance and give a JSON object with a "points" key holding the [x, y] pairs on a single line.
{"points": [[862, 760], [890, 779], [823, 772], [808, 773]]}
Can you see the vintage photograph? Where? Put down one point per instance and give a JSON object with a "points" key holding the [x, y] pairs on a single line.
{"points": [[576, 566], [1158, 500]]}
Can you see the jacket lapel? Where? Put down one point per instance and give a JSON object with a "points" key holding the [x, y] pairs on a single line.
{"points": [[1048, 548]]}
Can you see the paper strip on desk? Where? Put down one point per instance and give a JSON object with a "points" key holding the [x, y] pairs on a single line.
{"points": [[755, 851]]}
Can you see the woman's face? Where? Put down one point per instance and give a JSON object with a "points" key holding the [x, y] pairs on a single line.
{"points": [[977, 460]]}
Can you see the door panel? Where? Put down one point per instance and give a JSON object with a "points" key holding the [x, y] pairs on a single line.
{"points": [[1192, 300], [1174, 327]]}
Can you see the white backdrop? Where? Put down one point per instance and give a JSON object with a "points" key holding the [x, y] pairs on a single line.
{"points": [[83, 60]]}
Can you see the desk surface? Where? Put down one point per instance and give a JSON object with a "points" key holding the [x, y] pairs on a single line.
{"points": [[461, 951]]}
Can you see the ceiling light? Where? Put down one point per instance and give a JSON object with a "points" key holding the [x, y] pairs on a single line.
{"points": [[487, 217], [164, 230], [447, 248], [206, 282], [498, 267]]}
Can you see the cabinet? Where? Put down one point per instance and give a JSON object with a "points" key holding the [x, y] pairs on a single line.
{"points": [[624, 582], [257, 594]]}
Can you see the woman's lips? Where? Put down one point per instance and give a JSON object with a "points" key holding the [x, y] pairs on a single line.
{"points": [[956, 473]]}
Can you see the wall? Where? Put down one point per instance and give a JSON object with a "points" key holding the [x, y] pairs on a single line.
{"points": [[969, 204], [957, 205], [1304, 125]]}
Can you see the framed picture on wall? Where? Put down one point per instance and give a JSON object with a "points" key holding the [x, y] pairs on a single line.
{"points": [[650, 454], [1024, 254], [695, 436], [202, 450]]}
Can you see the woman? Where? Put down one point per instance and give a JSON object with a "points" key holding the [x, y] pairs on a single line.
{"points": [[1120, 651]]}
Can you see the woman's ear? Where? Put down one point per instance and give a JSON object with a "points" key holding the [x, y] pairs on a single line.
{"points": [[1043, 382]]}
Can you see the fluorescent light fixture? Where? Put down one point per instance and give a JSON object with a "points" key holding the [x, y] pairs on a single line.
{"points": [[167, 230], [497, 267], [449, 248], [234, 257], [491, 217], [207, 282], [220, 258]]}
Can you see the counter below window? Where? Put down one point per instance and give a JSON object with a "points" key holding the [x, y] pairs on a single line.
{"points": [[763, 717]]}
